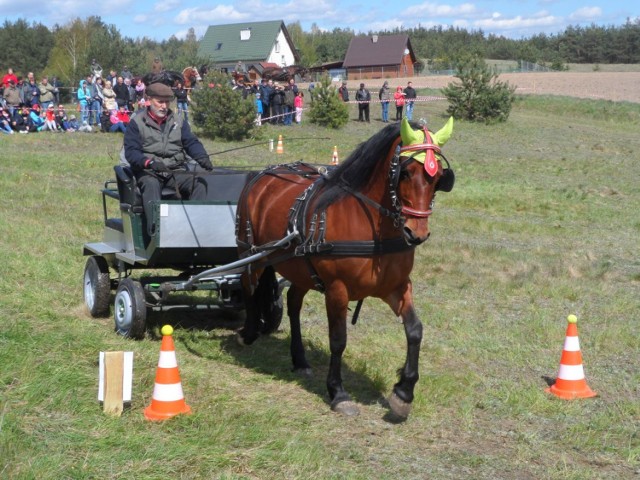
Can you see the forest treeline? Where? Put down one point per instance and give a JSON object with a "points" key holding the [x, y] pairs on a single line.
{"points": [[67, 50]]}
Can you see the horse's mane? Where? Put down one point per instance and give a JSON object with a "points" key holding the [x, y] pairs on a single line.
{"points": [[356, 171]]}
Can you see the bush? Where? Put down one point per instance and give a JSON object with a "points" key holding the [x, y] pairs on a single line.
{"points": [[480, 97], [327, 109], [221, 112]]}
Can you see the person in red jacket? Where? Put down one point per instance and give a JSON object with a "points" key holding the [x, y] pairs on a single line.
{"points": [[399, 98], [9, 76]]}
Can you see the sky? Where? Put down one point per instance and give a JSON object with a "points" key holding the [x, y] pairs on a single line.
{"points": [[160, 19]]}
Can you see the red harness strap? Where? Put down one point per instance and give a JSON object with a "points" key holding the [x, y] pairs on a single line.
{"points": [[430, 149]]}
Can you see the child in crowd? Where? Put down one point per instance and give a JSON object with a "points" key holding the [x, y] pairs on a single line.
{"points": [[299, 104], [85, 127], [119, 120], [5, 122], [50, 119], [36, 119], [73, 123], [22, 121], [61, 119], [258, 110]]}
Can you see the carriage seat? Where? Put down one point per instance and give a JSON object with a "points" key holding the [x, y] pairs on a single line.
{"points": [[130, 197]]}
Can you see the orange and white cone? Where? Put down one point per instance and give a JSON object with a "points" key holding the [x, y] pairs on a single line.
{"points": [[334, 159], [280, 147], [168, 399], [571, 383]]}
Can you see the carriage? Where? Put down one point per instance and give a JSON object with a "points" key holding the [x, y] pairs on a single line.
{"points": [[192, 237], [348, 232]]}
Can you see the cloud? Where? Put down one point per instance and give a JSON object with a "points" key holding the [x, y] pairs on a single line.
{"points": [[499, 22], [430, 10], [586, 14], [165, 5], [199, 15]]}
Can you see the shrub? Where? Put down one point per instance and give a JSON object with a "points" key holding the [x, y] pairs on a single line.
{"points": [[479, 97], [221, 112], [327, 109]]}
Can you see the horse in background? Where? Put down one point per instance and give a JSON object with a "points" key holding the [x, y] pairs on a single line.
{"points": [[191, 77], [354, 233]]}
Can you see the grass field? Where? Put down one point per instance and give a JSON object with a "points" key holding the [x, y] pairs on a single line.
{"points": [[543, 222]]}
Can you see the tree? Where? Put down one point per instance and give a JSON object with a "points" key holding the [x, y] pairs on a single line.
{"points": [[24, 47], [327, 109], [479, 96], [220, 111]]}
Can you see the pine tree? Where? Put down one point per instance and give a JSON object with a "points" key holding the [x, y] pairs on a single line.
{"points": [[220, 111], [327, 109], [479, 97]]}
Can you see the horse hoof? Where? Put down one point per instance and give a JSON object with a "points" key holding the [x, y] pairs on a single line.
{"points": [[242, 340], [303, 372], [346, 408], [399, 407]]}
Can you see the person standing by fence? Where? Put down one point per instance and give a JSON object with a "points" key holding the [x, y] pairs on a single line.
{"points": [[385, 97], [399, 98], [299, 104], [409, 98], [363, 97]]}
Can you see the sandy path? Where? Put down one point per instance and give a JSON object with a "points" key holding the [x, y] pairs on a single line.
{"points": [[616, 86]]}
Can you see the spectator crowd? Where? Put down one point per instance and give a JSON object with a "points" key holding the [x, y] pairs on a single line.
{"points": [[103, 104]]}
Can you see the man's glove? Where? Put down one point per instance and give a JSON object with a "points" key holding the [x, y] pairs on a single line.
{"points": [[158, 166], [206, 163]]}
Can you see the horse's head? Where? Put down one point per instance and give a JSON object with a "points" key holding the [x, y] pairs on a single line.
{"points": [[419, 174], [191, 76]]}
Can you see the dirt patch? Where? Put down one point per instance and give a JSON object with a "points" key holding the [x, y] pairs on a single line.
{"points": [[615, 86]]}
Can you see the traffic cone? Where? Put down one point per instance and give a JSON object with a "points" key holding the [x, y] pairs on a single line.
{"points": [[280, 148], [168, 399], [571, 382], [334, 159]]}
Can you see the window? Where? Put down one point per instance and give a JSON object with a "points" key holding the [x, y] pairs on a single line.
{"points": [[245, 34], [277, 46], [219, 46]]}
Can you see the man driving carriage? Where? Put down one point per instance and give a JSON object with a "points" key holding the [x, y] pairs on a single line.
{"points": [[157, 145]]}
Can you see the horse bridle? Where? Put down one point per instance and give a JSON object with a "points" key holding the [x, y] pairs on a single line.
{"points": [[396, 169]]}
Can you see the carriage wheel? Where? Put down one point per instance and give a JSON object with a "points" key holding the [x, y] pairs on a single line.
{"points": [[130, 312], [271, 305], [97, 287]]}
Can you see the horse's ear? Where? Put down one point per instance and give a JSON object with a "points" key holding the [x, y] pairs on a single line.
{"points": [[443, 135], [411, 137]]}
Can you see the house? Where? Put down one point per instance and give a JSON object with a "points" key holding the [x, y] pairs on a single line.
{"points": [[379, 56], [250, 43]]}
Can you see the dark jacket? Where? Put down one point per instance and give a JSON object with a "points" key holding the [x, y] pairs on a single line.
{"points": [[181, 94], [170, 142], [363, 95], [122, 94], [289, 97], [344, 93], [410, 93], [265, 93], [277, 97]]}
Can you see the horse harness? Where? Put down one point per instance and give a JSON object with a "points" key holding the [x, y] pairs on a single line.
{"points": [[310, 238]]}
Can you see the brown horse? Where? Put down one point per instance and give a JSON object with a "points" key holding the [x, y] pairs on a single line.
{"points": [[354, 234], [191, 77]]}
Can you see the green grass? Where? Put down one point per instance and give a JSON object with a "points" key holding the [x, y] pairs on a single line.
{"points": [[544, 221]]}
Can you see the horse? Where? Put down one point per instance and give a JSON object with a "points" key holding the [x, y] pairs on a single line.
{"points": [[350, 233], [191, 77]]}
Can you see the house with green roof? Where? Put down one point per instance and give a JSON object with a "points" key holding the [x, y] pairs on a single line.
{"points": [[252, 43]]}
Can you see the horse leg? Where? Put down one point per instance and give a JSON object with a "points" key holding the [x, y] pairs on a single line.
{"points": [[251, 329], [295, 296], [337, 301], [402, 396]]}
